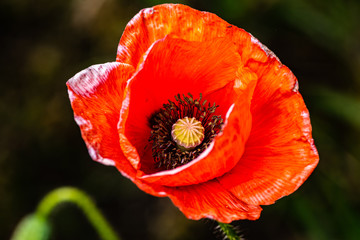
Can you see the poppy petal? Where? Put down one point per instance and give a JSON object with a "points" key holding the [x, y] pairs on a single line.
{"points": [[96, 95], [280, 153], [180, 21], [211, 200], [152, 24], [164, 74]]}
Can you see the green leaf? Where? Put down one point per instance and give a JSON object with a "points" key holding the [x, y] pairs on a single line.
{"points": [[32, 227]]}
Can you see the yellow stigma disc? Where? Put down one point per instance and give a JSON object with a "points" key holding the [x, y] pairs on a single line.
{"points": [[187, 133]]}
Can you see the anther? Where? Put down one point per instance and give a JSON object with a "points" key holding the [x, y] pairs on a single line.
{"points": [[182, 130]]}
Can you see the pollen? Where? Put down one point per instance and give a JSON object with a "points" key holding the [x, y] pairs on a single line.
{"points": [[187, 133]]}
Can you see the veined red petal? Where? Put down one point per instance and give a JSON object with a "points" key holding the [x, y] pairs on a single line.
{"points": [[175, 66], [280, 153], [183, 22], [212, 200], [152, 24], [96, 95]]}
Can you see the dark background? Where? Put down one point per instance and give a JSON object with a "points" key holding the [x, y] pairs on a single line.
{"points": [[44, 43]]}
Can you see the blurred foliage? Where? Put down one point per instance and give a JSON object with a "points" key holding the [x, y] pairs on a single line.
{"points": [[44, 43]]}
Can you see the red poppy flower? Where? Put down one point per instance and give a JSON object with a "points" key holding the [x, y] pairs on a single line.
{"points": [[255, 144]]}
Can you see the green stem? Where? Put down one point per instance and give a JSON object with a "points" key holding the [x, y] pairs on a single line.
{"points": [[84, 202], [229, 231]]}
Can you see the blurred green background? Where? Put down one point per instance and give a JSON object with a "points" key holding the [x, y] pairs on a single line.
{"points": [[44, 43]]}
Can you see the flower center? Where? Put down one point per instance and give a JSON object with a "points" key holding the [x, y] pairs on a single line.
{"points": [[187, 133], [181, 130]]}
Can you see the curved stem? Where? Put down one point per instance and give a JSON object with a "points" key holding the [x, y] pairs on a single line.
{"points": [[229, 231], [84, 202]]}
